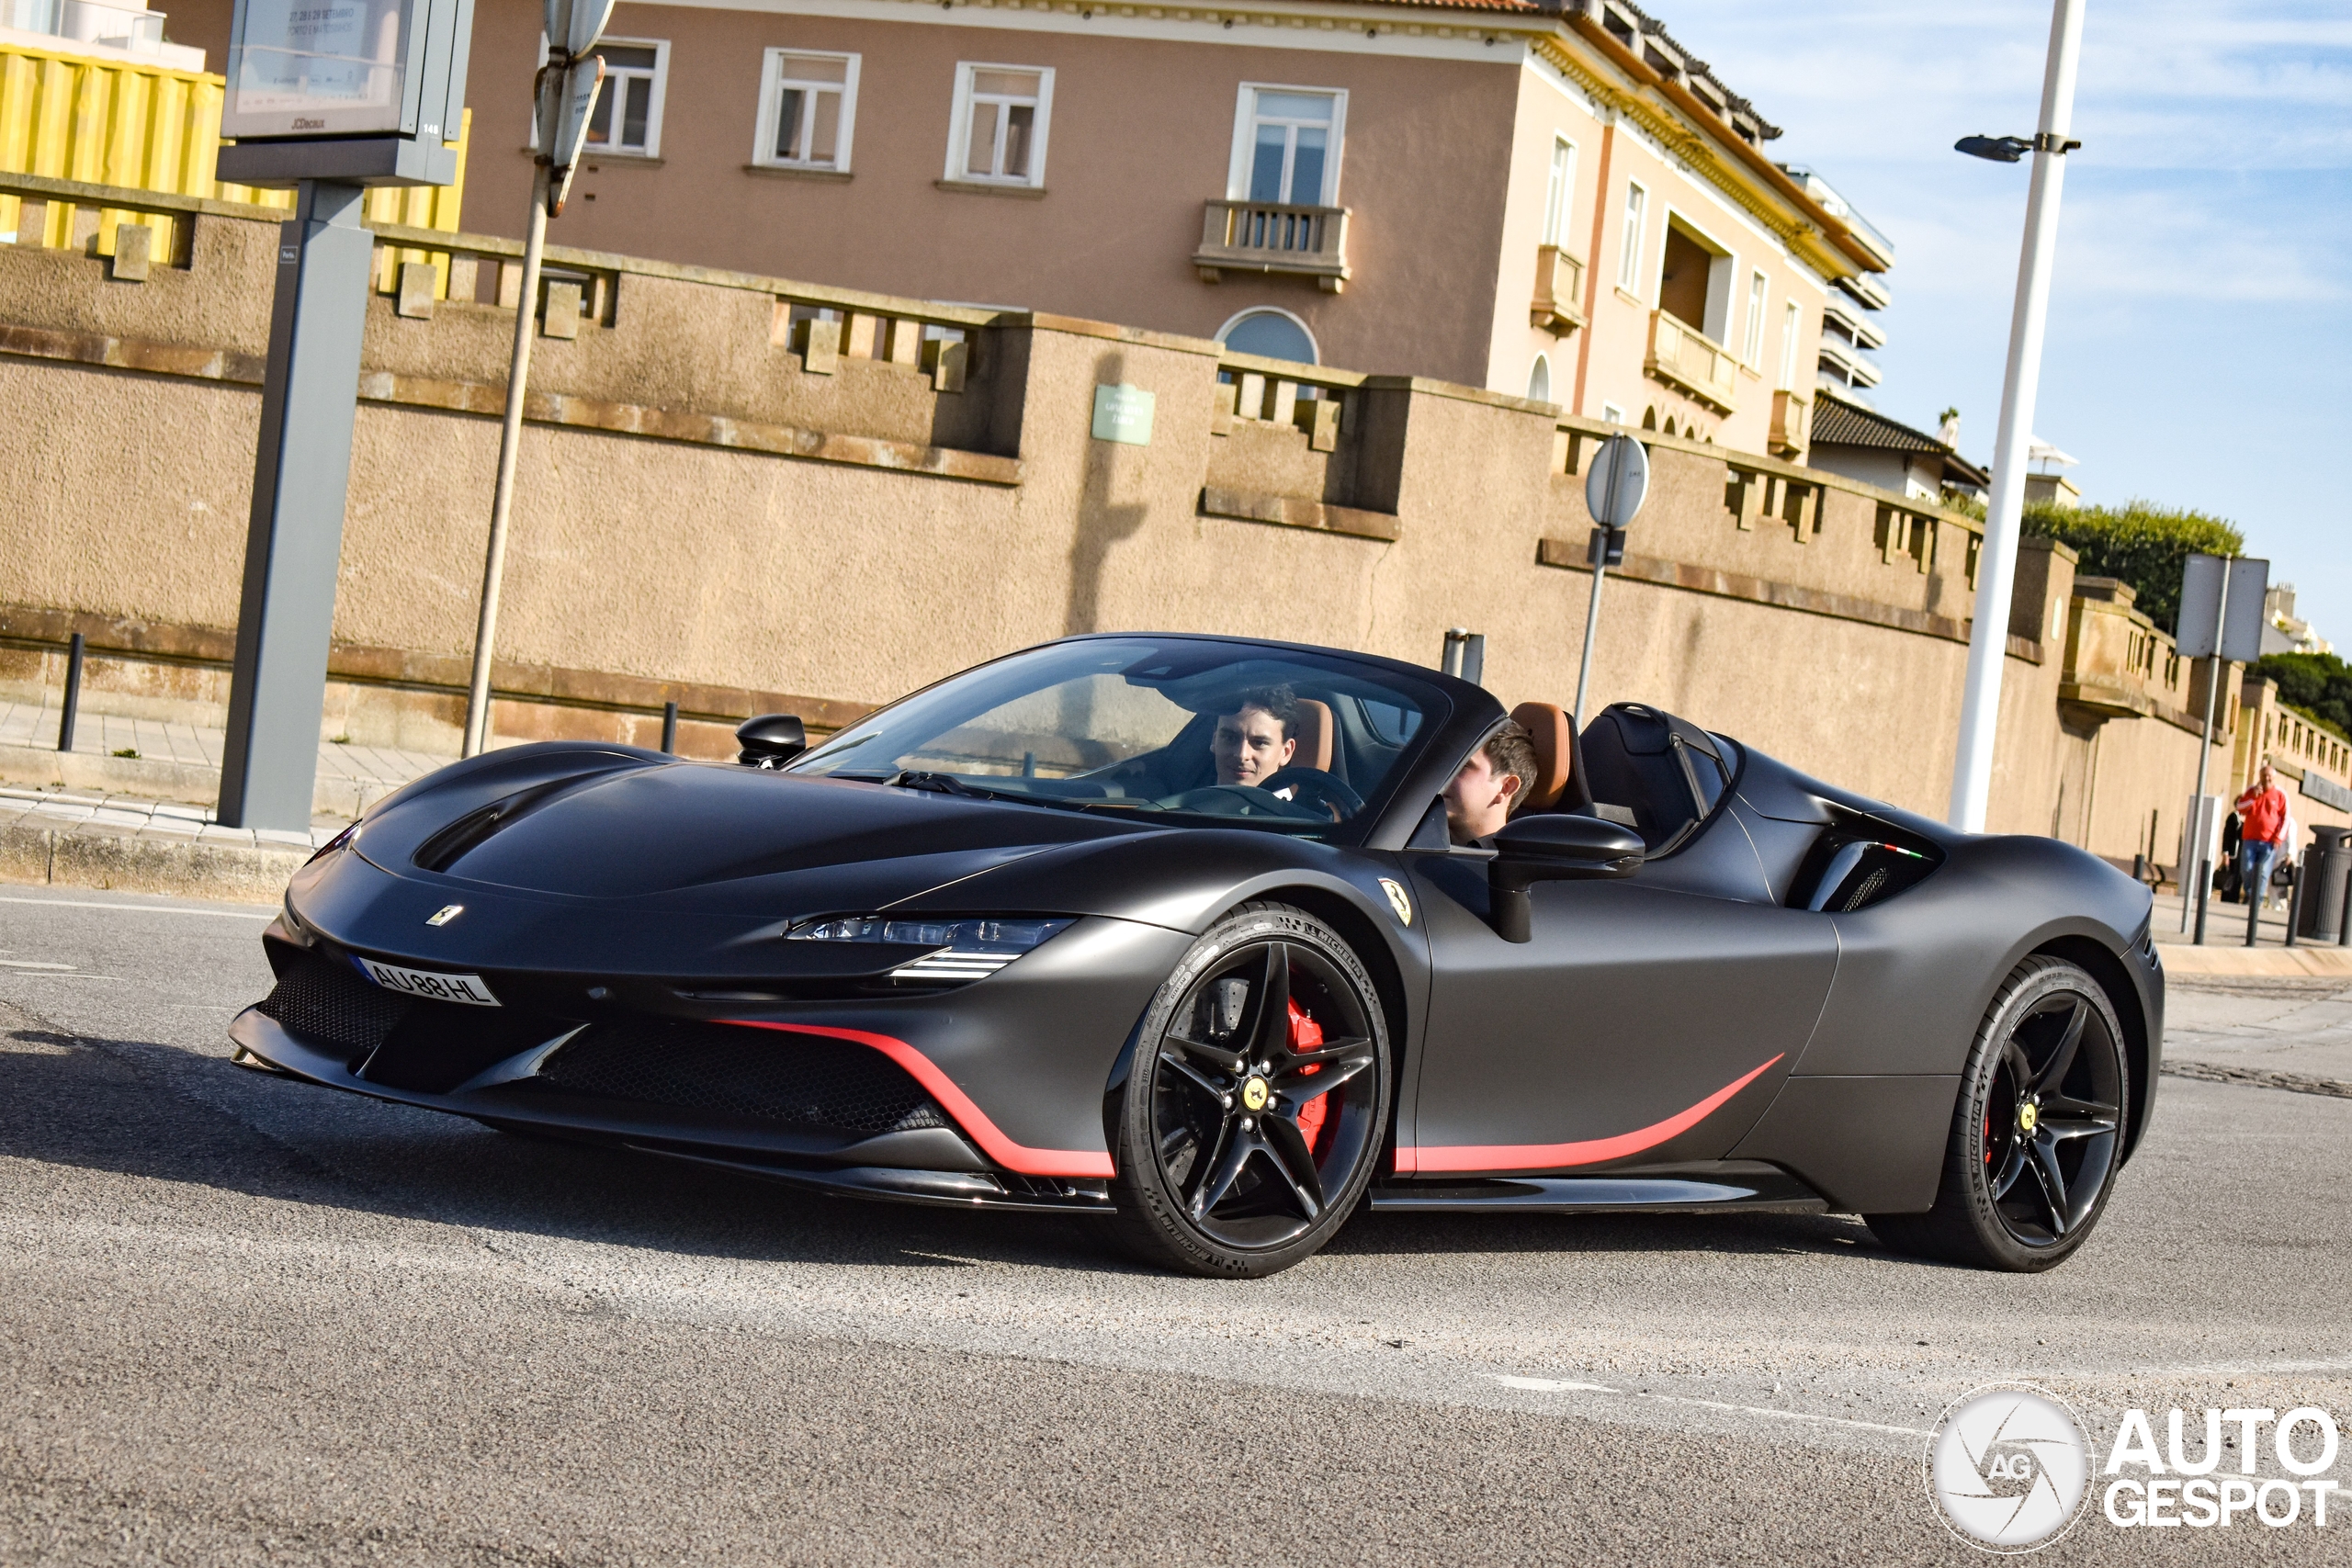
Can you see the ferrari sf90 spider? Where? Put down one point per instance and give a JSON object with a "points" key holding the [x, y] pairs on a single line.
{"points": [[1176, 931]]}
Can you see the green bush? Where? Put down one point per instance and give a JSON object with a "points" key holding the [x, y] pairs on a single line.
{"points": [[2144, 544], [2318, 685]]}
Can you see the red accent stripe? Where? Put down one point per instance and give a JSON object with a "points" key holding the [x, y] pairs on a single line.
{"points": [[1472, 1157], [971, 1117]]}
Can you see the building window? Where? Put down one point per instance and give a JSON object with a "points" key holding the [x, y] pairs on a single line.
{"points": [[628, 119], [1759, 289], [1539, 379], [1286, 145], [807, 108], [1792, 318], [1611, 415], [1270, 334], [997, 136], [1629, 252], [1561, 193]]}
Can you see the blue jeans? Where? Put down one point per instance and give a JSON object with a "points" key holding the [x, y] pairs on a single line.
{"points": [[2254, 858]]}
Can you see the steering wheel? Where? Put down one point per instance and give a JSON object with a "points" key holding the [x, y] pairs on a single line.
{"points": [[1313, 786]]}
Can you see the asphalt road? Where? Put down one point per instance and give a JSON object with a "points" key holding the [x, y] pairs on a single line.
{"points": [[244, 1321]]}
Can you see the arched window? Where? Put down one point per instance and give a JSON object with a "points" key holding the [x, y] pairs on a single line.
{"points": [[1649, 417], [1538, 380], [1270, 334]]}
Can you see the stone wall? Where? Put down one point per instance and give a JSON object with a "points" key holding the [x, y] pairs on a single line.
{"points": [[741, 494]]}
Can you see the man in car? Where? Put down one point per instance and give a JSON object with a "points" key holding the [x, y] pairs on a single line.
{"points": [[1489, 786], [1257, 739]]}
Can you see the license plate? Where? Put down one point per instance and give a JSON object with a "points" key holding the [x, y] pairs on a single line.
{"points": [[465, 988]]}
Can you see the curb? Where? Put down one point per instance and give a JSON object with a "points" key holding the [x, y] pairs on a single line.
{"points": [[2329, 962], [189, 784], [131, 862]]}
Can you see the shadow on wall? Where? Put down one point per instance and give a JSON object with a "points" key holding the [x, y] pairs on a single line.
{"points": [[1102, 528]]}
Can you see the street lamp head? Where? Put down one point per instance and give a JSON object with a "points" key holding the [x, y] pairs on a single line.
{"points": [[1998, 149]]}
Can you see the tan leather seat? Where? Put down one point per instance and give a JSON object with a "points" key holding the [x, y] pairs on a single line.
{"points": [[1553, 738], [1315, 732]]}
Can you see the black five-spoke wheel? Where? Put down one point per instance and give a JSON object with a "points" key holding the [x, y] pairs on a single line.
{"points": [[2038, 1131], [1254, 1107]]}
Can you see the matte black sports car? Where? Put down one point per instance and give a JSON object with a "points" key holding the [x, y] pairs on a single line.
{"points": [[1173, 929]]}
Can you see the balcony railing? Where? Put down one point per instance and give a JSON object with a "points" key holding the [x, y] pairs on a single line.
{"points": [[134, 29], [1791, 423], [1559, 291], [1272, 236], [1682, 356]]}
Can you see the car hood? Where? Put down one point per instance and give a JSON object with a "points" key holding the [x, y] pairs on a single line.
{"points": [[699, 835]]}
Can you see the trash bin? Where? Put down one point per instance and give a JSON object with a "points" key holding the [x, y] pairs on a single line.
{"points": [[2328, 864]]}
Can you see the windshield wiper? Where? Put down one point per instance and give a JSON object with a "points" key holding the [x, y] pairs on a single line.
{"points": [[949, 783]]}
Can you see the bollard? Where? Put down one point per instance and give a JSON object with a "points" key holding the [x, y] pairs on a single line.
{"points": [[2295, 903], [72, 704], [2254, 902], [2204, 886], [669, 727], [2344, 919]]}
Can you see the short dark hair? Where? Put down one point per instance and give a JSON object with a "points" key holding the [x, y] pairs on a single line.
{"points": [[1280, 702], [1510, 750]]}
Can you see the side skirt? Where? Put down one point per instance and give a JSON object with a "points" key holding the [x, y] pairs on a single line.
{"points": [[1747, 1185], [937, 1188]]}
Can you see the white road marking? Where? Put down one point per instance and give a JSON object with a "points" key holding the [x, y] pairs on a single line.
{"points": [[146, 909], [1556, 1385], [28, 964]]}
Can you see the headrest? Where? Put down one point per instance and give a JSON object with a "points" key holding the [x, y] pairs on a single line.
{"points": [[1547, 727], [1313, 736]]}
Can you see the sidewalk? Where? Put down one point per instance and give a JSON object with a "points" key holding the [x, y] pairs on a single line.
{"points": [[2225, 951], [113, 755], [132, 844]]}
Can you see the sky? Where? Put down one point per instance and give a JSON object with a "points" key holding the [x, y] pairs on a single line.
{"points": [[2201, 320]]}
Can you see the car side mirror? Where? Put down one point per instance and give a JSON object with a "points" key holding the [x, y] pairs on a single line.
{"points": [[771, 739], [1552, 847]]}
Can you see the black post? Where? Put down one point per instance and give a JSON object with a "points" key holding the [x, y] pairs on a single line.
{"points": [[2204, 885], [2295, 897], [2254, 901], [72, 707], [2344, 919], [669, 727]]}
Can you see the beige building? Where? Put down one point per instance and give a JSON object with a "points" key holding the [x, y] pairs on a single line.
{"points": [[1548, 201]]}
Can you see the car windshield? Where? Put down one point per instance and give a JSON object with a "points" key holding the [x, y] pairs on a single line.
{"points": [[1222, 734]]}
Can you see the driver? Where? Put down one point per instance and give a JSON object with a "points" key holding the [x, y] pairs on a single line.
{"points": [[1255, 740], [1489, 786]]}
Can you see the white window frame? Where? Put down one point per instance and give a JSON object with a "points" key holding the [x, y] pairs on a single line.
{"points": [[1792, 323], [1245, 140], [1759, 297], [652, 148], [772, 85], [1634, 240], [959, 126], [1611, 415], [1560, 189], [1543, 362], [1314, 345]]}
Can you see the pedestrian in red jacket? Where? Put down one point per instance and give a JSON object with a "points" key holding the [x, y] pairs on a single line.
{"points": [[2262, 817]]}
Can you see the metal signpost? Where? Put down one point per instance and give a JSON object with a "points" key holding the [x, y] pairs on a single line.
{"points": [[565, 98], [1988, 638], [1613, 493], [2221, 622], [330, 100]]}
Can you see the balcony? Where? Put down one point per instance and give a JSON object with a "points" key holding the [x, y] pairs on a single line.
{"points": [[1274, 236], [1684, 357], [1791, 424], [124, 29], [1559, 291]]}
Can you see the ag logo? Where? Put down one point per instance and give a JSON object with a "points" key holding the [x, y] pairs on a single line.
{"points": [[1397, 899], [2008, 1468]]}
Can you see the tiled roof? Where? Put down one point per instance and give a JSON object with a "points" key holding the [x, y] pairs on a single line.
{"points": [[1837, 422]]}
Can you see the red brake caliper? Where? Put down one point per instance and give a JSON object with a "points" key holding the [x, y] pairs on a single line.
{"points": [[1306, 1035]]}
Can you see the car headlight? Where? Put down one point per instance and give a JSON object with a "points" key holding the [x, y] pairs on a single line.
{"points": [[969, 949]]}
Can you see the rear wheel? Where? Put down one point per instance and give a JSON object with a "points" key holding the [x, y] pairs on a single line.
{"points": [[1253, 1112], [2038, 1131]]}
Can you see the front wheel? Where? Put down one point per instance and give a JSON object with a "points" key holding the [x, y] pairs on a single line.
{"points": [[2038, 1131], [1253, 1112]]}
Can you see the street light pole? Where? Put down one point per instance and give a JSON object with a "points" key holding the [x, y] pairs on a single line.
{"points": [[510, 440], [1980, 712]]}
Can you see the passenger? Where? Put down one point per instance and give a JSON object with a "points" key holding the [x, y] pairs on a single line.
{"points": [[1256, 739], [1490, 786]]}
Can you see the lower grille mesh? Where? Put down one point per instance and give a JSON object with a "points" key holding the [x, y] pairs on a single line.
{"points": [[804, 1080], [326, 1003]]}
